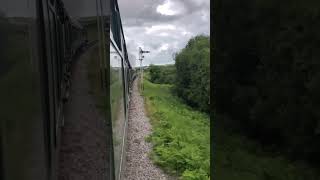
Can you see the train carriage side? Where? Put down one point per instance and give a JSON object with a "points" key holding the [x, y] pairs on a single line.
{"points": [[35, 74], [120, 82], [36, 51]]}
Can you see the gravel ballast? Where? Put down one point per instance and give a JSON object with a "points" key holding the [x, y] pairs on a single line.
{"points": [[138, 164]]}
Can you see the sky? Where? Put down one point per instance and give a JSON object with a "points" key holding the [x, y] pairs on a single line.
{"points": [[162, 26]]}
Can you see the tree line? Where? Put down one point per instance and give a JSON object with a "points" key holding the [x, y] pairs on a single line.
{"points": [[165, 74], [190, 73]]}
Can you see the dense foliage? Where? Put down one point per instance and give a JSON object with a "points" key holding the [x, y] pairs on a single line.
{"points": [[181, 136], [162, 74], [193, 67], [266, 72]]}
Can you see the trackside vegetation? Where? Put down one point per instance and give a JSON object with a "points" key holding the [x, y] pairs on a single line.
{"points": [[181, 135], [177, 101], [235, 156], [162, 74], [192, 73]]}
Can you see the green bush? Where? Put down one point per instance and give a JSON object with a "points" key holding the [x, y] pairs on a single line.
{"points": [[164, 74], [192, 77]]}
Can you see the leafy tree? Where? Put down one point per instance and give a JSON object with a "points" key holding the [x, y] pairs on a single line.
{"points": [[192, 79], [162, 74], [154, 73]]}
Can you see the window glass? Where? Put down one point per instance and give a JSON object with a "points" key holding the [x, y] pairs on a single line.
{"points": [[117, 106], [22, 144]]}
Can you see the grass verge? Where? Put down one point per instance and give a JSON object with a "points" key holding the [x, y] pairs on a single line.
{"points": [[181, 135], [181, 145]]}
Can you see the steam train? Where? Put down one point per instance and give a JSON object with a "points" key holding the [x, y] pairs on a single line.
{"points": [[40, 41]]}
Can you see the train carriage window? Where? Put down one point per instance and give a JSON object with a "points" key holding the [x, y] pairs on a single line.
{"points": [[23, 153], [115, 26], [118, 115], [124, 77]]}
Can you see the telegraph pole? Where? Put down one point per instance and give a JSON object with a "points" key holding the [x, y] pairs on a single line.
{"points": [[141, 56]]}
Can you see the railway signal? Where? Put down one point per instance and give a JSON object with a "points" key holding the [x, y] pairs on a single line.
{"points": [[141, 56]]}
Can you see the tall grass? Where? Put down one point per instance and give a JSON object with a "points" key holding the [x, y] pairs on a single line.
{"points": [[181, 135]]}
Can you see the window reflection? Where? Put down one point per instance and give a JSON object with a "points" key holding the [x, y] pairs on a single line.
{"points": [[117, 105]]}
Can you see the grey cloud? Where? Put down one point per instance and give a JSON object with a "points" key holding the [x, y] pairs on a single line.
{"points": [[140, 15]]}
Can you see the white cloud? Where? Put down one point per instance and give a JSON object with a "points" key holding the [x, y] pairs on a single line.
{"points": [[164, 47], [170, 8], [166, 9]]}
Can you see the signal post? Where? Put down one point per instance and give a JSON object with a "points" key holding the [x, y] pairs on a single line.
{"points": [[141, 56]]}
